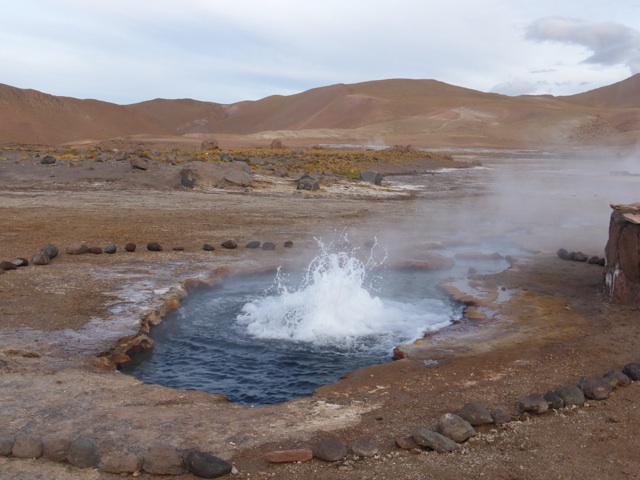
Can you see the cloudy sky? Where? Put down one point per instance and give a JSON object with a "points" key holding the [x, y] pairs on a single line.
{"points": [[231, 50]]}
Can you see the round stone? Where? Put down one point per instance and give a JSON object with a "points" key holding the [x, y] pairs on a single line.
{"points": [[434, 441], [27, 446], [163, 459], [41, 258], [51, 250], [254, 244], [110, 249], [83, 453], [130, 247], [206, 465], [330, 450], [207, 247], [154, 247], [364, 447], [570, 394], [454, 427], [229, 244], [475, 413], [268, 246]]}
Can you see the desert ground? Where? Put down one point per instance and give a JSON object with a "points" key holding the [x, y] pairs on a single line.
{"points": [[550, 325]]}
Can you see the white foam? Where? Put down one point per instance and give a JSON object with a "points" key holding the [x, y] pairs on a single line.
{"points": [[332, 306]]}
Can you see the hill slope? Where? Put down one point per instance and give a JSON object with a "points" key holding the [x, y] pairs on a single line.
{"points": [[421, 112]]}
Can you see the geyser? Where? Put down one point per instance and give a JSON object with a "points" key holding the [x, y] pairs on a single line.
{"points": [[264, 340]]}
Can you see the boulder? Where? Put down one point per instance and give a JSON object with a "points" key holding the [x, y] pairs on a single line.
{"points": [[632, 370], [130, 247], [55, 447], [306, 182], [276, 144], [95, 250], [533, 404], [238, 178], [595, 388], [330, 450], [409, 443], [121, 462], [289, 456], [594, 260], [454, 427], [110, 249], [138, 163], [622, 271], [207, 247], [163, 459], [50, 250], [554, 400], [229, 244], [40, 258], [254, 244], [372, 177], [268, 246], [20, 262], [364, 447], [77, 248], [210, 145], [475, 413], [83, 453], [154, 247], [563, 254], [580, 257], [27, 446], [434, 441], [5, 265], [500, 417], [616, 378], [206, 465], [570, 395], [288, 244], [6, 444], [48, 160]]}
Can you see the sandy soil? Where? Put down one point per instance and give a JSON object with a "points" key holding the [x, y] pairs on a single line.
{"points": [[552, 327]]}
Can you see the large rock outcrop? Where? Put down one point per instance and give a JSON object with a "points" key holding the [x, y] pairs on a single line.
{"points": [[622, 273]]}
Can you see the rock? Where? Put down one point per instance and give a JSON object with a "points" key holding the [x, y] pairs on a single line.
{"points": [[563, 254], [500, 417], [77, 248], [95, 250], [5, 265], [407, 443], [50, 250], [187, 178], [268, 246], [178, 248], [83, 453], [20, 262], [238, 177], [330, 450], [41, 258], [632, 370], [594, 260], [570, 394], [139, 163], [121, 156], [307, 182], [580, 257], [163, 459], [27, 446], [229, 244], [364, 447], [289, 456], [622, 271], [48, 160], [206, 465], [55, 447], [110, 249], [207, 247], [121, 462], [154, 247], [616, 378], [276, 144], [130, 247], [372, 177], [475, 413], [595, 388], [454, 427], [288, 244], [209, 145], [554, 400], [533, 404], [6, 444], [253, 245], [434, 441]]}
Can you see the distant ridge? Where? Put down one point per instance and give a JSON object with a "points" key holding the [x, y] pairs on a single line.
{"points": [[421, 112]]}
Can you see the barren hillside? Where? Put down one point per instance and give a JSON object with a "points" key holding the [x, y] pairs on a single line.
{"points": [[420, 112]]}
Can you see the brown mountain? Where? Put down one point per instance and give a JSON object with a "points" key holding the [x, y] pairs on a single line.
{"points": [[29, 116], [420, 112]]}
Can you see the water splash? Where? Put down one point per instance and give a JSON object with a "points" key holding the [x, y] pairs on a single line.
{"points": [[336, 304]]}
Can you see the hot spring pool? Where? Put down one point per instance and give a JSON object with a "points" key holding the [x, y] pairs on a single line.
{"points": [[268, 338]]}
